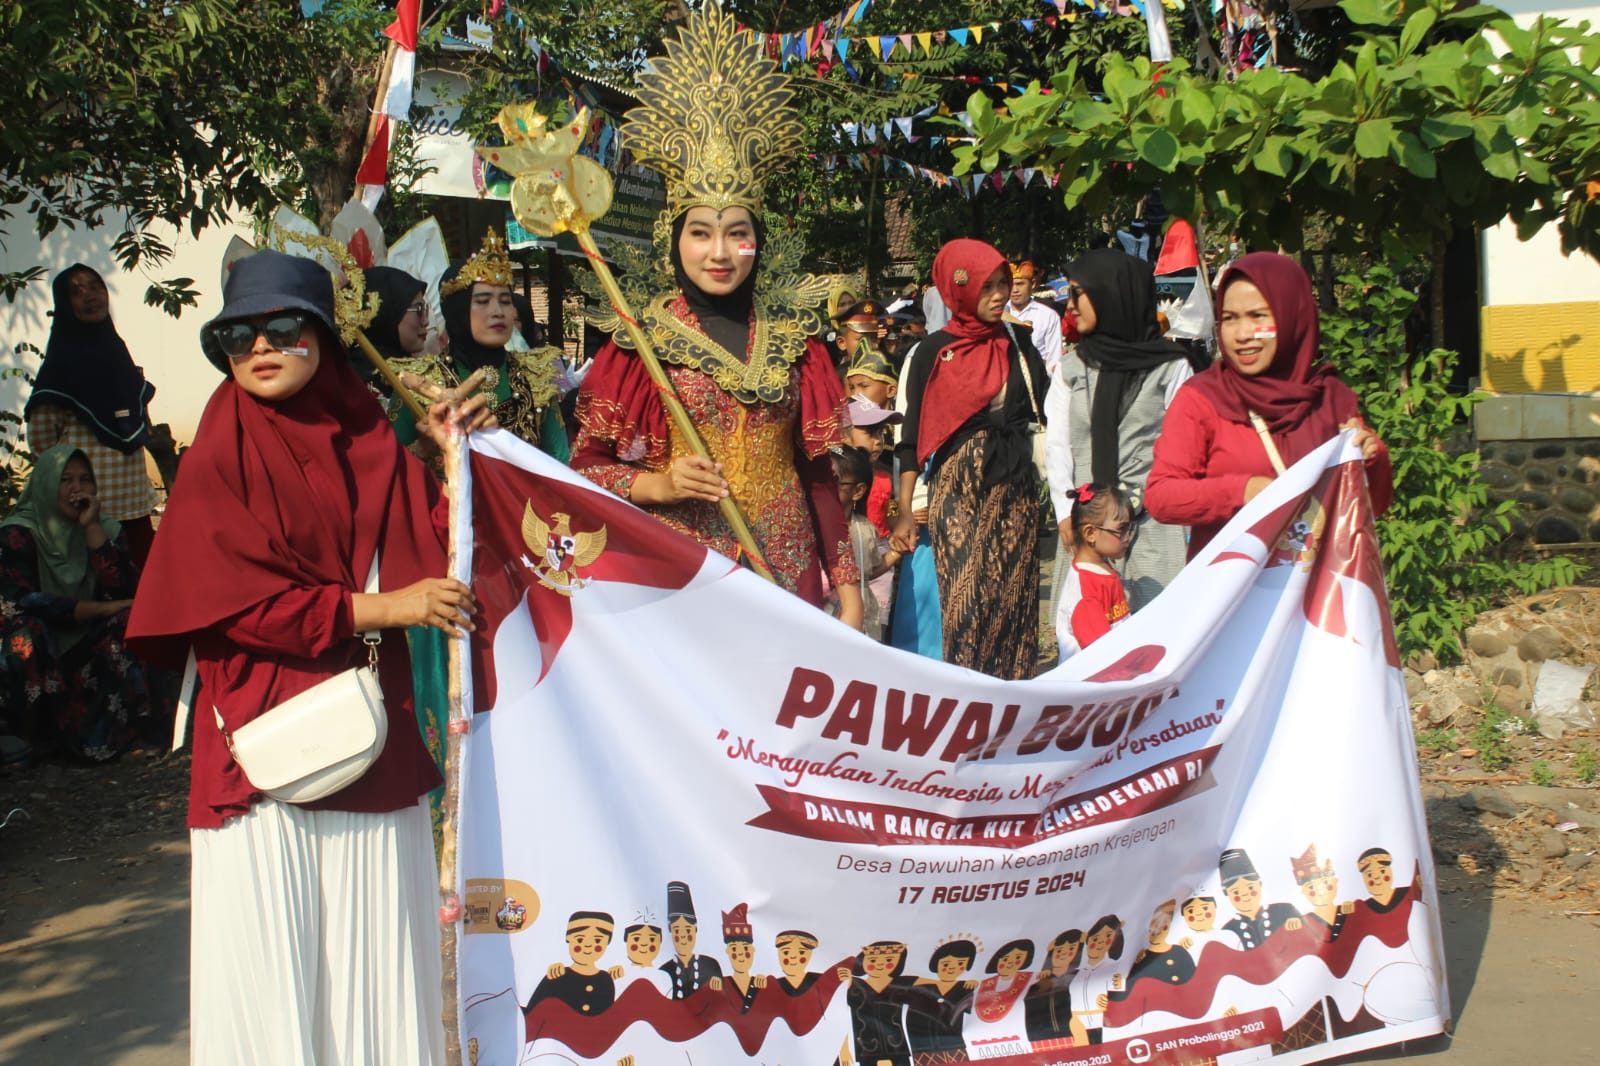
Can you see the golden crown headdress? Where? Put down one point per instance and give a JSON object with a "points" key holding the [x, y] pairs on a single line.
{"points": [[714, 118], [491, 264]]}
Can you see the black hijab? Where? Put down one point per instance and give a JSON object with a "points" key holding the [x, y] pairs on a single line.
{"points": [[457, 309], [1126, 345], [88, 370], [725, 319], [397, 291]]}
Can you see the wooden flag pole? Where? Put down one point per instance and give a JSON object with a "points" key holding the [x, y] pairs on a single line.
{"points": [[458, 723]]}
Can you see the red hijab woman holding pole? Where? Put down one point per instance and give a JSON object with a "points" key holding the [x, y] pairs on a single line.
{"points": [[974, 390], [1213, 455]]}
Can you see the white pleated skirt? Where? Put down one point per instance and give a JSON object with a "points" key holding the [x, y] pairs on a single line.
{"points": [[315, 940]]}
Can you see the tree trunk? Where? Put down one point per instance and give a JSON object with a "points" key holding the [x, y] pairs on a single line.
{"points": [[331, 178]]}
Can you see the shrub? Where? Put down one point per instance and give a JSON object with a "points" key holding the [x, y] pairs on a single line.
{"points": [[1440, 537]]}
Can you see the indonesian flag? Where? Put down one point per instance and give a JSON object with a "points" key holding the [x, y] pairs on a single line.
{"points": [[654, 738], [1192, 319], [1179, 252], [397, 95]]}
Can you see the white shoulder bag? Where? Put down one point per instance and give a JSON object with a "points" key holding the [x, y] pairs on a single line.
{"points": [[312, 745]]}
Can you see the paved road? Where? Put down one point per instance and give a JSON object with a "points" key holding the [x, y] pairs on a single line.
{"points": [[94, 960]]}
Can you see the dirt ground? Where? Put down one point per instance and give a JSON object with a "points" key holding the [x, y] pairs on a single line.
{"points": [[94, 933]]}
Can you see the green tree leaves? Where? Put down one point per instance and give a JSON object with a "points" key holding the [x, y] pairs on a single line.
{"points": [[1370, 144]]}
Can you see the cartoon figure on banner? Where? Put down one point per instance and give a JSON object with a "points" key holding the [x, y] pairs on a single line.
{"points": [[643, 942], [1255, 921], [1321, 889], [562, 551], [738, 936], [1047, 1006], [1162, 961], [938, 1006], [877, 997], [687, 970], [583, 985], [1200, 915], [1377, 872], [1009, 977], [1098, 976], [795, 948]]}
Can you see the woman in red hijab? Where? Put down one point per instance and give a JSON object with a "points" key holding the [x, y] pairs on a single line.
{"points": [[974, 391], [314, 927], [1210, 459]]}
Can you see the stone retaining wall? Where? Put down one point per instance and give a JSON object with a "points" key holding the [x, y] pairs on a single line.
{"points": [[1555, 482]]}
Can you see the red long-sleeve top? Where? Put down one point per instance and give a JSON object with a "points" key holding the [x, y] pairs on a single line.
{"points": [[1203, 463], [309, 630]]}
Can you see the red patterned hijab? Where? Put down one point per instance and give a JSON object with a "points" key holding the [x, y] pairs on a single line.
{"points": [[968, 372], [1293, 395]]}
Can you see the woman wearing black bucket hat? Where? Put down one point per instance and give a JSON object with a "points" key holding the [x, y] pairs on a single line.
{"points": [[314, 926]]}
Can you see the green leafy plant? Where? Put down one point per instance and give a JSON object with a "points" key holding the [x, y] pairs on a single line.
{"points": [[1437, 740], [1541, 773], [1584, 766], [1440, 534], [1489, 737]]}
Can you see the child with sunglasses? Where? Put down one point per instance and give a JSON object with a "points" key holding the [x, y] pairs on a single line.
{"points": [[1092, 597]]}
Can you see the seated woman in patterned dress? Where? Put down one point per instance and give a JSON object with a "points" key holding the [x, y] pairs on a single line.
{"points": [[66, 583]]}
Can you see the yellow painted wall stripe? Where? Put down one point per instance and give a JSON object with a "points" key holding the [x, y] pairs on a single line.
{"points": [[1542, 347]]}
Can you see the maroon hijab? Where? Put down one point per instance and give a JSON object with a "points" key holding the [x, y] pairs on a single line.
{"points": [[1295, 395], [967, 373], [279, 495]]}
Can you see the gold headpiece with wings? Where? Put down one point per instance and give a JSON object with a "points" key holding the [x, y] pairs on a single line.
{"points": [[490, 264], [715, 118]]}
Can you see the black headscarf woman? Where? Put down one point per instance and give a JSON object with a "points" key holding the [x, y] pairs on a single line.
{"points": [[396, 291], [457, 310], [88, 369], [1124, 345], [725, 319]]}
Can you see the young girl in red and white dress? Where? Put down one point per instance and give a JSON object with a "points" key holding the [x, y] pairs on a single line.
{"points": [[1092, 597]]}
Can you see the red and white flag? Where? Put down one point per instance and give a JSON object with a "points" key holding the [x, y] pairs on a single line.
{"points": [[702, 821], [374, 170]]}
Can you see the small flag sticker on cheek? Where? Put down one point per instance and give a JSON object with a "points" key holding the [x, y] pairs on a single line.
{"points": [[747, 249], [296, 350], [1266, 334]]}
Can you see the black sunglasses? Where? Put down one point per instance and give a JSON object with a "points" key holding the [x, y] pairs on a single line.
{"points": [[236, 339]]}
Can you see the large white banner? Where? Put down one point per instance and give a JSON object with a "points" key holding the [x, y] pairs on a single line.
{"points": [[704, 823]]}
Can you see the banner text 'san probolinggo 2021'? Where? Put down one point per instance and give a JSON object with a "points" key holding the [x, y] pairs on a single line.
{"points": [[704, 823]]}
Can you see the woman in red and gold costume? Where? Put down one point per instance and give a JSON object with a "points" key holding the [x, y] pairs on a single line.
{"points": [[731, 320]]}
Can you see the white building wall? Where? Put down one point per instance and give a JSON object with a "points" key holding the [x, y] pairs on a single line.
{"points": [[1541, 310], [167, 348]]}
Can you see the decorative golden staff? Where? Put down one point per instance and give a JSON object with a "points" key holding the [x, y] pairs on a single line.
{"points": [[559, 191]]}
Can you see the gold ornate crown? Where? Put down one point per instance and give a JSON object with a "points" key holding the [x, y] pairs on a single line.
{"points": [[715, 118], [491, 265]]}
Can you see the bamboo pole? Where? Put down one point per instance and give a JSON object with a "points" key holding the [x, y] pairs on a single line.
{"points": [[458, 720], [669, 395], [458, 724]]}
